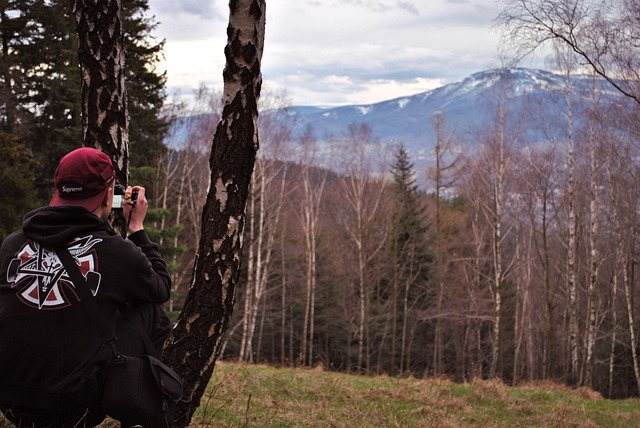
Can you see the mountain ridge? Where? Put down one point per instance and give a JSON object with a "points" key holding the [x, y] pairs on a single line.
{"points": [[464, 104]]}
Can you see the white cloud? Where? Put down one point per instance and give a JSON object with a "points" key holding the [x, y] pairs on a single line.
{"points": [[337, 51]]}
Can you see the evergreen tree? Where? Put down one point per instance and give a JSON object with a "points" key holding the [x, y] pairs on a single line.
{"points": [[409, 256], [40, 86], [16, 182], [145, 87]]}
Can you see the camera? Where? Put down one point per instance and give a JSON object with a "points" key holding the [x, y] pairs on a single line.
{"points": [[119, 198]]}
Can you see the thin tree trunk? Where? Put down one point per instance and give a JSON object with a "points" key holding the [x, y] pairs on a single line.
{"points": [[248, 293], [571, 251], [614, 328], [195, 341], [6, 74], [594, 262], [283, 303], [621, 253]]}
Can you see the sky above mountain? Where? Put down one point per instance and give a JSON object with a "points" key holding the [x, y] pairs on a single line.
{"points": [[336, 52]]}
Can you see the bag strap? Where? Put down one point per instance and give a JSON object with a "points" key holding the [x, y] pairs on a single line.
{"points": [[150, 348], [91, 306], [87, 299]]}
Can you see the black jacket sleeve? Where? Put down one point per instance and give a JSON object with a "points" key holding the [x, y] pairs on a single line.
{"points": [[152, 280]]}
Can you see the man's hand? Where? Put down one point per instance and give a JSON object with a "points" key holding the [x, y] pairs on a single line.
{"points": [[138, 210]]}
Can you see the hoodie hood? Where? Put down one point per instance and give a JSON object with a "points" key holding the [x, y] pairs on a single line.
{"points": [[54, 226]]}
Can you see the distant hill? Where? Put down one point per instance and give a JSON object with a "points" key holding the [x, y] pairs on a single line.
{"points": [[465, 105]]}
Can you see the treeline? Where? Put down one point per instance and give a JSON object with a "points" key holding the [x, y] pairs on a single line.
{"points": [[516, 259]]}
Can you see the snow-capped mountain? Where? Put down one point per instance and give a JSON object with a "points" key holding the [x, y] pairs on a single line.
{"points": [[466, 105]]}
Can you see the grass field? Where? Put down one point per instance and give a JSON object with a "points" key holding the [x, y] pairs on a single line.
{"points": [[242, 395], [261, 396]]}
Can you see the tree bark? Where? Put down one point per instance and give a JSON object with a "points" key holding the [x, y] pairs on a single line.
{"points": [[195, 342], [594, 256], [105, 119]]}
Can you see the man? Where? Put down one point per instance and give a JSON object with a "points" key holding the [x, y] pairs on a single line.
{"points": [[50, 351]]}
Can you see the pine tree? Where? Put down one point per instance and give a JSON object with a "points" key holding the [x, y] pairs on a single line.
{"points": [[16, 182], [145, 87], [409, 256], [40, 81]]}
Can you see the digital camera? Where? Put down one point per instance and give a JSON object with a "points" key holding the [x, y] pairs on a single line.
{"points": [[119, 197]]}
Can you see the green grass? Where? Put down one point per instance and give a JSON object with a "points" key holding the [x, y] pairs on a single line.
{"points": [[242, 395], [260, 396]]}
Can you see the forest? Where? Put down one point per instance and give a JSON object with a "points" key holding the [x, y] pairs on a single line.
{"points": [[514, 260]]}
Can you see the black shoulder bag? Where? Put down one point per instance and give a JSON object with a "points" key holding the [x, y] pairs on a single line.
{"points": [[137, 390]]}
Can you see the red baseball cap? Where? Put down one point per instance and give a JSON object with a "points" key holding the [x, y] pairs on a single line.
{"points": [[82, 178]]}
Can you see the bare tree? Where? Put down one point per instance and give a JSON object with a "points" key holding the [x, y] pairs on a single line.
{"points": [[540, 181], [266, 199], [444, 174], [564, 59], [362, 192], [496, 157], [605, 35], [183, 179], [621, 176], [309, 216], [194, 343], [594, 254]]}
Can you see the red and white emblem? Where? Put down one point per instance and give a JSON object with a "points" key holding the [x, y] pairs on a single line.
{"points": [[41, 277]]}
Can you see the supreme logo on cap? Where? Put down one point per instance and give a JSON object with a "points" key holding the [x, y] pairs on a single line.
{"points": [[82, 177]]}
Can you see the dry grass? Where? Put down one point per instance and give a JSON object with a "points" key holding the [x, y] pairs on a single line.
{"points": [[260, 396]]}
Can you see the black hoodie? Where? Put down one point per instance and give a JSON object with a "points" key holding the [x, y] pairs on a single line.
{"points": [[50, 351]]}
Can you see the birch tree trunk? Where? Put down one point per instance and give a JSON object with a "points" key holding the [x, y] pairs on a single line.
{"points": [[310, 220], [594, 262], [265, 219], [497, 158], [498, 195], [362, 197], [625, 265], [572, 286], [195, 341], [105, 118]]}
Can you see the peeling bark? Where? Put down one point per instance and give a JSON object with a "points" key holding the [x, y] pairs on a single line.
{"points": [[196, 340], [105, 118]]}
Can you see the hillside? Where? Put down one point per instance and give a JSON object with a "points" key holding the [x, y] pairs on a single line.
{"points": [[260, 396]]}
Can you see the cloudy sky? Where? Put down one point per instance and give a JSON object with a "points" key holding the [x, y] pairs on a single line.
{"points": [[336, 52]]}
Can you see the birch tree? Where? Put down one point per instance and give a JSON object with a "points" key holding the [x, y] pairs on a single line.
{"points": [[603, 34], [594, 255], [313, 186], [496, 156], [105, 119], [362, 193], [541, 185], [266, 199], [564, 59], [621, 174], [194, 344], [183, 178]]}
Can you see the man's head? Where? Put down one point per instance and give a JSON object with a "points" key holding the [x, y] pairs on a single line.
{"points": [[83, 178]]}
